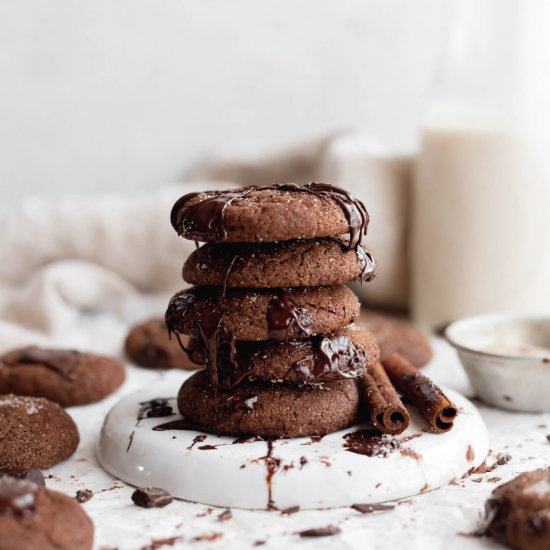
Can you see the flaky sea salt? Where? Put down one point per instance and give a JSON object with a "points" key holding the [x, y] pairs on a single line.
{"points": [[540, 488], [30, 404]]}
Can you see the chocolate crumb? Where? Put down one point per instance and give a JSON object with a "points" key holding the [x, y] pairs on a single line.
{"points": [[208, 537], [503, 459], [290, 510], [506, 398], [159, 543], [546, 360], [424, 488], [477, 480], [328, 531], [470, 455], [259, 543], [548, 438], [151, 497], [225, 515], [378, 485], [494, 479], [370, 508], [84, 495]]}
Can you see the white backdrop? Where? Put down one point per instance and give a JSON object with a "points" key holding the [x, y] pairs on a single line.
{"points": [[103, 94]]}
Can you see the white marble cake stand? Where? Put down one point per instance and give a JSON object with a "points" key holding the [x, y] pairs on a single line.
{"points": [[310, 474]]}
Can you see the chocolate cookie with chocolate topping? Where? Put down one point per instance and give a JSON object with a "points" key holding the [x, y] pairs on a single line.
{"points": [[268, 214], [519, 511], [269, 410], [279, 314], [395, 335], [317, 262], [65, 376], [148, 345], [343, 354], [33, 517], [34, 433]]}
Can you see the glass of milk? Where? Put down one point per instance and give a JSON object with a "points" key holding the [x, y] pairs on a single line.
{"points": [[481, 195]]}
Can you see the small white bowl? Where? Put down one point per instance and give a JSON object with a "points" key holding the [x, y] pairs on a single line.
{"points": [[507, 358]]}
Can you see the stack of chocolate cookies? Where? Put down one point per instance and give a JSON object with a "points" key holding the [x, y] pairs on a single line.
{"points": [[269, 315]]}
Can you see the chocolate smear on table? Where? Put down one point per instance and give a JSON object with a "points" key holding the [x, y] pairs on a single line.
{"points": [[17, 497], [61, 361], [83, 495], [197, 439], [438, 410], [272, 464], [370, 442], [34, 476], [151, 497], [328, 531], [203, 219], [183, 424], [383, 404], [370, 508]]}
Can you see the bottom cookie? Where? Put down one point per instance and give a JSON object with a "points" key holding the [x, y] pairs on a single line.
{"points": [[269, 410]]}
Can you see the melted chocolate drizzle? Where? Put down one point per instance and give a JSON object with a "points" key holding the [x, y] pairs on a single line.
{"points": [[59, 360], [333, 358], [285, 319], [17, 498], [204, 219]]}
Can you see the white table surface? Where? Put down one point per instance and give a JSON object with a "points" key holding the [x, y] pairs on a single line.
{"points": [[432, 520]]}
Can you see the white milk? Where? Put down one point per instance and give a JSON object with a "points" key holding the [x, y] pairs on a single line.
{"points": [[481, 219]]}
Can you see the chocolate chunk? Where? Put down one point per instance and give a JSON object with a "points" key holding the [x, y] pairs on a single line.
{"points": [[369, 508], [84, 495], [225, 515], [327, 531], [151, 497], [290, 510]]}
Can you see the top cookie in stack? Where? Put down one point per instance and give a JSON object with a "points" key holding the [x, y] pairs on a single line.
{"points": [[269, 316]]}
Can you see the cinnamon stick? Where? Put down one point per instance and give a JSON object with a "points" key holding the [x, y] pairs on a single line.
{"points": [[384, 407], [421, 391]]}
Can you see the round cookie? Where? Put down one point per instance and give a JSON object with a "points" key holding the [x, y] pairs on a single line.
{"points": [[34, 433], [268, 214], [261, 314], [34, 517], [316, 262], [65, 376], [342, 354], [395, 335], [269, 410], [519, 512], [148, 345]]}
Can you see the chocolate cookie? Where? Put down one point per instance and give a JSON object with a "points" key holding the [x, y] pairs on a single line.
{"points": [[345, 353], [269, 410], [519, 512], [395, 335], [64, 376], [319, 262], [34, 433], [262, 314], [33, 517], [149, 345], [269, 214]]}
